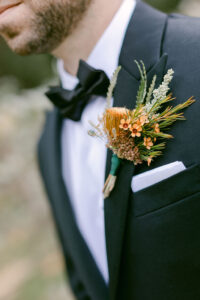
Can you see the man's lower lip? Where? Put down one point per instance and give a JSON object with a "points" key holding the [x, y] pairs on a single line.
{"points": [[3, 10]]}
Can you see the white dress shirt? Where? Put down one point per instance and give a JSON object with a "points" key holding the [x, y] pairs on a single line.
{"points": [[84, 157]]}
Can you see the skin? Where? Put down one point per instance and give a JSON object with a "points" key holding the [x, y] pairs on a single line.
{"points": [[68, 29]]}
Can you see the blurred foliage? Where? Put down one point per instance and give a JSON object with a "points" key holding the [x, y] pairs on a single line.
{"points": [[31, 265], [30, 70], [164, 5], [33, 70]]}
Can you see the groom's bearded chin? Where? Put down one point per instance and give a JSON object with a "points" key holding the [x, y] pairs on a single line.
{"points": [[49, 24]]}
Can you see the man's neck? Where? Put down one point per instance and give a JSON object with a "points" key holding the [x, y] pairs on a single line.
{"points": [[89, 30]]}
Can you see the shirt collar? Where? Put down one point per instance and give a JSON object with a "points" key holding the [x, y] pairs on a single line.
{"points": [[105, 54]]}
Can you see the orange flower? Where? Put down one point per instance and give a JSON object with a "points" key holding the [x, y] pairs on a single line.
{"points": [[148, 143], [156, 128], [124, 124], [112, 118], [149, 160], [143, 119], [136, 129]]}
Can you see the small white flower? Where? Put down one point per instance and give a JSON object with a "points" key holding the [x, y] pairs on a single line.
{"points": [[161, 92]]}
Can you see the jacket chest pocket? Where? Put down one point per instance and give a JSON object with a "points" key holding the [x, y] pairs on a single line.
{"points": [[167, 192]]}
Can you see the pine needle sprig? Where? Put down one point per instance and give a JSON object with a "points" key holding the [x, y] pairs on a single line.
{"points": [[160, 146], [181, 106]]}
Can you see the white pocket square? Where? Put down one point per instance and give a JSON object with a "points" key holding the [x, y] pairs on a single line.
{"points": [[156, 175]]}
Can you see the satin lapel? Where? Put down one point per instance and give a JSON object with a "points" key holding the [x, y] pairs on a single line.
{"points": [[116, 205], [125, 94]]}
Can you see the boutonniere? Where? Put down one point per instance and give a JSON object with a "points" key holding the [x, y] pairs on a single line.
{"points": [[137, 135]]}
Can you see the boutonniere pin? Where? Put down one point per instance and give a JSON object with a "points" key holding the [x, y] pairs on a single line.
{"points": [[137, 135]]}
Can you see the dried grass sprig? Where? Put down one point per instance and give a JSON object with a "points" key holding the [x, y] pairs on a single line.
{"points": [[112, 85]]}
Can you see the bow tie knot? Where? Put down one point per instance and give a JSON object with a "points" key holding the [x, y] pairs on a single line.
{"points": [[71, 103]]}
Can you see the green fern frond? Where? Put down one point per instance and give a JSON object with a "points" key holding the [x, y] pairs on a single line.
{"points": [[143, 83]]}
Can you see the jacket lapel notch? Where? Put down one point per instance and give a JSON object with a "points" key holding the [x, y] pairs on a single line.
{"points": [[143, 39]]}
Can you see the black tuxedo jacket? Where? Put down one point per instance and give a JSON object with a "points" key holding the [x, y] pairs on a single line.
{"points": [[152, 236]]}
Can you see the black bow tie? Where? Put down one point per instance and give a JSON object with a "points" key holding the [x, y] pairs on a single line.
{"points": [[72, 103]]}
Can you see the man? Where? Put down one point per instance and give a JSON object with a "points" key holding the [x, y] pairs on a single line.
{"points": [[150, 248]]}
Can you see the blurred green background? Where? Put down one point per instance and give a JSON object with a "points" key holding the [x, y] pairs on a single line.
{"points": [[31, 265]]}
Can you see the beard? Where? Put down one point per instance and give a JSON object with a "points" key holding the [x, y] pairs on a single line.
{"points": [[43, 27]]}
